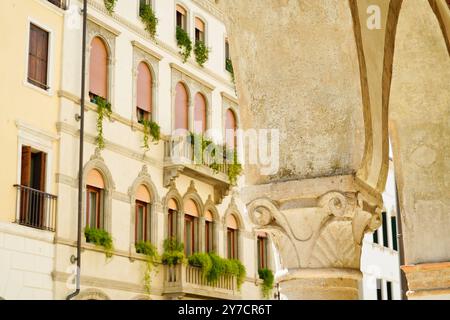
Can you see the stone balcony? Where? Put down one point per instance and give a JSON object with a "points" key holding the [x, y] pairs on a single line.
{"points": [[179, 158], [187, 281]]}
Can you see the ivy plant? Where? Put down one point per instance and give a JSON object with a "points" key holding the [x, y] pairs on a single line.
{"points": [[110, 5], [201, 52], [151, 129], [173, 252], [184, 43], [229, 68], [103, 110], [101, 238], [214, 266], [234, 168], [149, 250], [149, 18], [268, 279]]}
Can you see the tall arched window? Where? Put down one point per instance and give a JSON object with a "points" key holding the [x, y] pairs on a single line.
{"points": [[98, 70], [172, 219], [143, 214], [181, 107], [230, 129], [181, 17], [199, 30], [199, 113], [209, 231], [191, 215], [95, 187], [232, 237], [144, 93]]}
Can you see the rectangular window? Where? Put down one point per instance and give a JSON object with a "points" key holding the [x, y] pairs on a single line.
{"points": [[181, 17], [172, 224], [232, 244], [385, 230], [389, 290], [262, 252], [394, 232], [38, 57], [142, 115], [379, 289], [209, 236], [190, 235], [58, 3], [94, 208], [142, 222]]}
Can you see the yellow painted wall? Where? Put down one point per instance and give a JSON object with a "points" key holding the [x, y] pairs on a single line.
{"points": [[19, 100]]}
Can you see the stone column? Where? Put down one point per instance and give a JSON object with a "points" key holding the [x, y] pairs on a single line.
{"points": [[318, 226]]}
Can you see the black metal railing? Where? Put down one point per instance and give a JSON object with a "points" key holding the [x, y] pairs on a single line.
{"points": [[35, 209]]}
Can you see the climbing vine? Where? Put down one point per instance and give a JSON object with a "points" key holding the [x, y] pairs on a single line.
{"points": [[268, 278], [229, 68], [149, 250], [234, 168], [103, 110], [149, 18], [110, 5], [201, 52], [151, 129], [184, 43], [101, 238]]}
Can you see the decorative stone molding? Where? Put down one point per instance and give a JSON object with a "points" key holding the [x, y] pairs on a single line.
{"points": [[428, 280], [92, 294]]}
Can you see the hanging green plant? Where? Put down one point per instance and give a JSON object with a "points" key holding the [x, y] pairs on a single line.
{"points": [[149, 250], [234, 168], [268, 279], [149, 18], [201, 260], [110, 5], [101, 238], [151, 129], [229, 68], [173, 252], [201, 52], [184, 43], [103, 110]]}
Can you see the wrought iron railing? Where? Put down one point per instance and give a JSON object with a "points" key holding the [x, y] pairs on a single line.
{"points": [[35, 209]]}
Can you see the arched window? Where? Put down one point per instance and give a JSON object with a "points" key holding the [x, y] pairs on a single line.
{"points": [[181, 17], [191, 215], [263, 250], [98, 70], [181, 107], [199, 113], [230, 129], [144, 93], [209, 231], [232, 237], [95, 187], [172, 219], [199, 30], [143, 214]]}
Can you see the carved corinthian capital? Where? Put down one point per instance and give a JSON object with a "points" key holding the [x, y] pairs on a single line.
{"points": [[321, 232]]}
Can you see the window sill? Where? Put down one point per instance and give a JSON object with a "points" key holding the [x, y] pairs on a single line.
{"points": [[48, 92]]}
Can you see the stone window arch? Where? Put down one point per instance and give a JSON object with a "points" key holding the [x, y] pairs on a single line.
{"points": [[231, 127], [92, 294], [145, 205], [144, 92], [193, 219], [100, 178], [211, 226], [200, 113], [98, 69], [173, 207], [181, 112], [233, 229]]}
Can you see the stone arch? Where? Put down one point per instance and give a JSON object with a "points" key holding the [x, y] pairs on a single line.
{"points": [[92, 294], [173, 194], [96, 162], [144, 179], [189, 100], [233, 210]]}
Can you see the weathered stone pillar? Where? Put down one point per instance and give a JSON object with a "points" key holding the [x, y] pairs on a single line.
{"points": [[318, 226]]}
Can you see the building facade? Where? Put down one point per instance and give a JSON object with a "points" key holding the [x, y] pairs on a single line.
{"points": [[138, 187]]}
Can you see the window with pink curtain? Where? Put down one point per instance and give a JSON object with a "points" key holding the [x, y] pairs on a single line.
{"points": [[199, 113], [181, 107], [98, 69], [230, 129], [144, 92]]}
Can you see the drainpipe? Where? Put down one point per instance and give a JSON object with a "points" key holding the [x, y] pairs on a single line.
{"points": [[80, 162]]}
